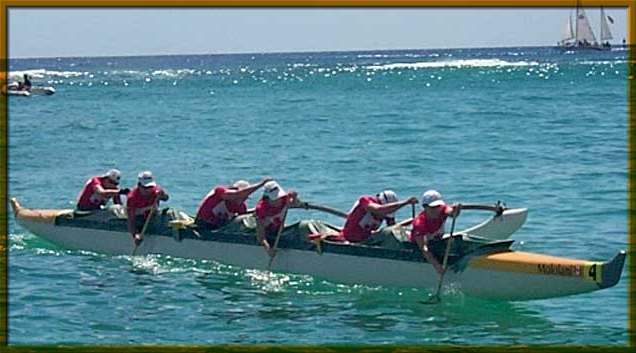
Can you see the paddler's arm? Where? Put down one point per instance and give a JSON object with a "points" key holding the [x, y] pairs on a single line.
{"points": [[106, 192], [260, 235], [131, 220], [260, 227], [117, 198], [405, 222], [422, 244], [294, 201], [381, 211], [231, 195], [454, 210], [163, 195]]}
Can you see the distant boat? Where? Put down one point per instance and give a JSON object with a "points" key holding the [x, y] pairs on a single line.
{"points": [[13, 89], [581, 36]]}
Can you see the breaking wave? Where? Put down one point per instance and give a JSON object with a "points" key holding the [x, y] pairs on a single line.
{"points": [[41, 73], [467, 63]]}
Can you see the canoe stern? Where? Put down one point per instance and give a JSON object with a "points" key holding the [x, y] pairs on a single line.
{"points": [[36, 215], [516, 275], [612, 269]]}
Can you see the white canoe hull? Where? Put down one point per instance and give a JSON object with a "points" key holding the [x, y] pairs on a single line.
{"points": [[47, 91], [508, 275], [42, 91], [18, 93]]}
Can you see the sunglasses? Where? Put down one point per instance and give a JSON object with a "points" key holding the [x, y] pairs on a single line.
{"points": [[271, 191]]}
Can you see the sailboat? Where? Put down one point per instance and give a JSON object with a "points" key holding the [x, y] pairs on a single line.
{"points": [[581, 35]]}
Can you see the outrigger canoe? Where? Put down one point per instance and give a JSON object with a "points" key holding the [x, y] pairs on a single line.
{"points": [[478, 266]]}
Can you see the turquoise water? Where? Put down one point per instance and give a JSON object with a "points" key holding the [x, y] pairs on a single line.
{"points": [[532, 127]]}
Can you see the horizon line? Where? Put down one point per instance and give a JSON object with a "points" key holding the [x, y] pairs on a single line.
{"points": [[284, 52]]}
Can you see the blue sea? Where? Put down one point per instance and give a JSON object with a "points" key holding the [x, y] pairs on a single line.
{"points": [[532, 127]]}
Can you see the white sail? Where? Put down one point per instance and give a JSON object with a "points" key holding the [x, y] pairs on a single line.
{"points": [[568, 32], [606, 34], [584, 31]]}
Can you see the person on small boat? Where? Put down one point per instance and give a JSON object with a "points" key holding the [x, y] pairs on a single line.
{"points": [[99, 189], [27, 82], [428, 226], [22, 86], [368, 212], [223, 203], [144, 197], [270, 212]]}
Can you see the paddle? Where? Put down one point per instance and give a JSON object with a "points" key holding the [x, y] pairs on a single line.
{"points": [[280, 230], [436, 298], [498, 208], [327, 209], [146, 223]]}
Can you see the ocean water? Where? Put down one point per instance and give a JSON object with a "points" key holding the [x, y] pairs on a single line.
{"points": [[532, 127]]}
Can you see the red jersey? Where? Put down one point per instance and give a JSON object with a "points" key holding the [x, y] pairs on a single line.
{"points": [[270, 215], [214, 210], [89, 198], [423, 227], [360, 222], [140, 204]]}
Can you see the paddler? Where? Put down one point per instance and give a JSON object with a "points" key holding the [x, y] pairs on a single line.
{"points": [[428, 226], [270, 212], [27, 83], [141, 200], [368, 213], [99, 189], [223, 203]]}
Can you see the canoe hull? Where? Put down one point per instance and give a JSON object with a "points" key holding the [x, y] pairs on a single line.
{"points": [[334, 267], [505, 275]]}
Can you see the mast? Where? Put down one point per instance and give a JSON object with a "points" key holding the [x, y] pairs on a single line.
{"points": [[606, 34], [576, 24], [568, 34], [584, 33]]}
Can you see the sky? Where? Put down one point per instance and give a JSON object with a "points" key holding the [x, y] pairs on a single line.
{"points": [[64, 32]]}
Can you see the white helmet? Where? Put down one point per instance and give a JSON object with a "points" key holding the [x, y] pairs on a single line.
{"points": [[387, 196], [240, 184], [114, 175], [432, 198], [273, 191], [146, 179]]}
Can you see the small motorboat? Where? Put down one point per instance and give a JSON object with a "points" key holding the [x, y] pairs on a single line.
{"points": [[14, 89]]}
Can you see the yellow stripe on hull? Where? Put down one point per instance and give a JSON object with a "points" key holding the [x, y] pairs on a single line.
{"points": [[37, 215], [531, 263]]}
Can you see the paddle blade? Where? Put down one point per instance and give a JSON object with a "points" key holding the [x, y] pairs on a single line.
{"points": [[432, 299]]}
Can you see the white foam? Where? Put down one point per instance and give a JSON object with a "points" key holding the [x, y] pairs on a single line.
{"points": [[453, 63], [603, 62], [173, 72], [40, 73]]}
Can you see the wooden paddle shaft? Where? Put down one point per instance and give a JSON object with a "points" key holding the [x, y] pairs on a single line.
{"points": [[445, 261], [280, 230], [494, 208], [147, 222], [333, 211]]}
